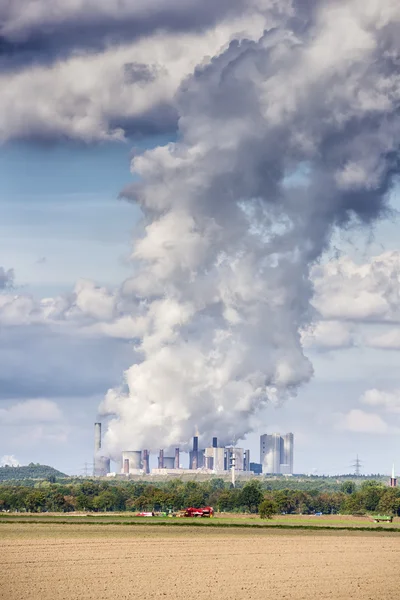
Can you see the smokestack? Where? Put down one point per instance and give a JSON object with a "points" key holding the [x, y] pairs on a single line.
{"points": [[161, 459], [215, 442], [194, 454], [146, 465], [176, 464], [97, 437], [246, 461], [393, 480], [126, 466]]}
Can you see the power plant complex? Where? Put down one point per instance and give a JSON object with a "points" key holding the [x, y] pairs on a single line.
{"points": [[214, 459], [276, 453], [276, 457]]}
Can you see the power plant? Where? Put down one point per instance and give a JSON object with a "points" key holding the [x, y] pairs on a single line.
{"points": [[101, 464], [276, 453], [213, 459]]}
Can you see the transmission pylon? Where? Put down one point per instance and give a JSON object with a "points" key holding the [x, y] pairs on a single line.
{"points": [[357, 466], [88, 467]]}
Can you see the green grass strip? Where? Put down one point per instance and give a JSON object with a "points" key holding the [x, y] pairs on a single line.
{"points": [[209, 524]]}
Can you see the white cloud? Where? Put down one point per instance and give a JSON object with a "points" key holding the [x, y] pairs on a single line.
{"points": [[389, 340], [31, 411], [9, 460], [92, 96], [359, 421], [389, 401], [370, 291], [88, 310], [328, 335]]}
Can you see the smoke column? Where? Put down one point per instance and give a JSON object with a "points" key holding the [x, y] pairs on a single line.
{"points": [[280, 142]]}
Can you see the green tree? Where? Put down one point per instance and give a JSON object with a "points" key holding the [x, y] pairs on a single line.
{"points": [[371, 492], [348, 487], [104, 501], [353, 504], [284, 501], [251, 495], [267, 508], [35, 501], [389, 502]]}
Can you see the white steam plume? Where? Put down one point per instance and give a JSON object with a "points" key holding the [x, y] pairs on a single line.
{"points": [[9, 460], [280, 141]]}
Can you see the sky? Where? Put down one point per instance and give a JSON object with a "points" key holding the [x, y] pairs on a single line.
{"points": [[188, 241]]}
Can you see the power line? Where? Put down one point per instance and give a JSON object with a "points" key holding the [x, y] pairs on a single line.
{"points": [[87, 469], [357, 466]]}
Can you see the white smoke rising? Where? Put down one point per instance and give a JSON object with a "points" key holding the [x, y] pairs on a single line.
{"points": [[9, 460], [232, 229]]}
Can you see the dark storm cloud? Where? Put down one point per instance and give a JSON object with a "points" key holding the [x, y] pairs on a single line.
{"points": [[48, 33], [159, 120]]}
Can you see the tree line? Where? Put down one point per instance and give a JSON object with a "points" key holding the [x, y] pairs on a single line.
{"points": [[31, 471], [370, 496]]}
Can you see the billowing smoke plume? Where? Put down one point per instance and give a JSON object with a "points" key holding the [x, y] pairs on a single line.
{"points": [[280, 141]]}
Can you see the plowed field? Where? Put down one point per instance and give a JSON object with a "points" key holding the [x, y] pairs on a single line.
{"points": [[54, 562]]}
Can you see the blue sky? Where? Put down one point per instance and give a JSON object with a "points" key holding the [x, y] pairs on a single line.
{"points": [[62, 220], [82, 94]]}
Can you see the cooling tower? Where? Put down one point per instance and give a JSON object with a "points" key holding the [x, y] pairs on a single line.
{"points": [[169, 462], [101, 466], [135, 461]]}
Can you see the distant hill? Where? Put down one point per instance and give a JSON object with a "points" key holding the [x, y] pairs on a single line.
{"points": [[31, 471]]}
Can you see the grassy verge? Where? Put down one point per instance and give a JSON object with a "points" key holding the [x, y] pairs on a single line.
{"points": [[215, 523]]}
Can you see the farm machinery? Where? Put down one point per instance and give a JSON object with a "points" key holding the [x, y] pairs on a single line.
{"points": [[382, 518], [207, 511]]}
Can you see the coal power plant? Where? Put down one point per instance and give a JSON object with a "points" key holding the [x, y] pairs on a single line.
{"points": [[214, 459], [101, 464]]}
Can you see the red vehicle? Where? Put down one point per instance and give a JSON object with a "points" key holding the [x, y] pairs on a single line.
{"points": [[207, 511]]}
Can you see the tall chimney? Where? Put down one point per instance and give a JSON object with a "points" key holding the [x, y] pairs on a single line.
{"points": [[146, 465], [126, 466], [215, 442], [161, 459], [393, 480], [176, 464], [194, 458], [97, 437], [246, 461]]}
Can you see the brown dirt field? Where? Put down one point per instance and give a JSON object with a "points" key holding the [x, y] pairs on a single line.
{"points": [[56, 562]]}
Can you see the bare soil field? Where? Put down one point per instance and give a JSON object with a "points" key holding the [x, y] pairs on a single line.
{"points": [[54, 562]]}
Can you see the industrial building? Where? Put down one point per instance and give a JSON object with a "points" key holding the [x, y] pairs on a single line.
{"points": [[101, 464], [276, 453], [213, 459]]}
